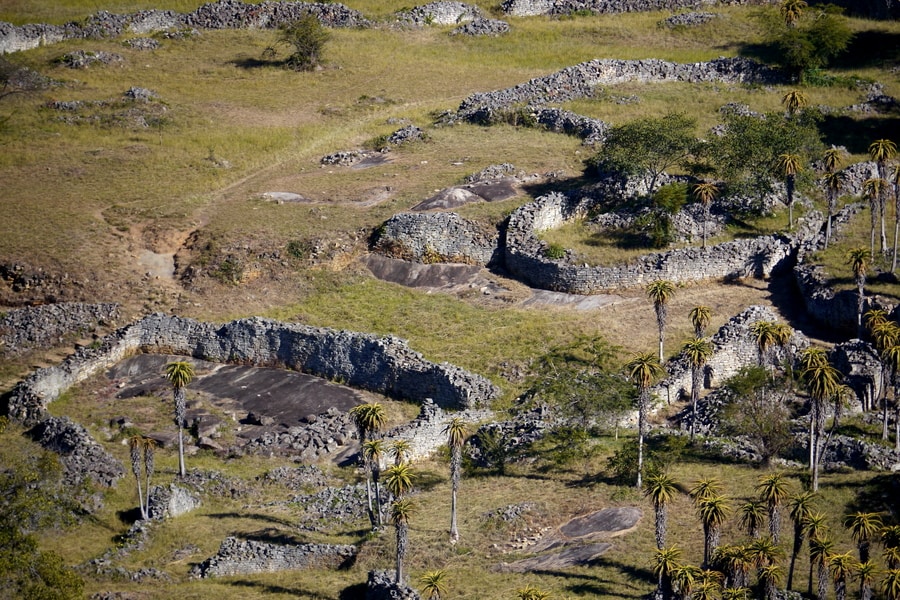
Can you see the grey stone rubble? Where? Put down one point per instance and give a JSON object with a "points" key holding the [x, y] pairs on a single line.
{"points": [[494, 172], [36, 327], [381, 364], [440, 13], [82, 457], [481, 26], [426, 434], [525, 8], [168, 502], [525, 428], [318, 437], [332, 504], [143, 43], [440, 235], [380, 585], [224, 14], [295, 478], [345, 158], [406, 135], [82, 59], [591, 131], [240, 557], [689, 19], [580, 81]]}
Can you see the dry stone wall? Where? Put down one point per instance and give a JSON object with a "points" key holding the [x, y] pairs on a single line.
{"points": [[224, 14], [34, 327], [442, 236], [526, 8], [525, 258], [381, 364], [241, 557]]}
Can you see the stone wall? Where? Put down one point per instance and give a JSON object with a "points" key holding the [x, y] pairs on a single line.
{"points": [[580, 80], [439, 236], [34, 327], [241, 557], [524, 255], [82, 457], [525, 8], [224, 14], [384, 365], [426, 434]]}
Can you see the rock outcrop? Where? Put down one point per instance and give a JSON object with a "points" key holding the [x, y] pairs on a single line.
{"points": [[240, 557]]}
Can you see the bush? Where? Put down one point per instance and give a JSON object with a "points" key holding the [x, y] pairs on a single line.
{"points": [[307, 37], [554, 252]]}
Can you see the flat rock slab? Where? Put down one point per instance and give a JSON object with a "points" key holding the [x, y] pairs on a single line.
{"points": [[493, 190], [417, 275], [286, 396], [570, 557], [603, 524], [282, 197], [576, 301]]}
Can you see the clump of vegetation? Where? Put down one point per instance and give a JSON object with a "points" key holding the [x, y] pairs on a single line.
{"points": [[307, 38], [555, 252], [657, 223]]}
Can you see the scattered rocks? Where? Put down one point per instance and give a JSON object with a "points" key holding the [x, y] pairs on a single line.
{"points": [[689, 19], [82, 457], [332, 504], [296, 478], [39, 327], [142, 43], [406, 135], [82, 59], [139, 94], [381, 586], [440, 13], [309, 442], [481, 26]]}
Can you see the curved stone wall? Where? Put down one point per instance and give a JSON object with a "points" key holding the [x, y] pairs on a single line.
{"points": [[224, 14], [241, 557], [526, 8], [524, 255], [384, 365]]}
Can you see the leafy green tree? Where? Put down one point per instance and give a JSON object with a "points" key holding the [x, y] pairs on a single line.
{"points": [[647, 147], [643, 369], [661, 490], [788, 166], [666, 202], [807, 39], [180, 374], [705, 192], [698, 351], [773, 490], [660, 293], [434, 584], [713, 512], [456, 437], [747, 153], [756, 412], [859, 260], [306, 37], [401, 510], [800, 506]]}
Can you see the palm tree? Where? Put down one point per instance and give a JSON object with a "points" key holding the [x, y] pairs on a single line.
{"points": [[705, 488], [399, 479], [661, 490], [890, 538], [890, 357], [368, 418], [733, 561], [890, 585], [661, 292], [864, 527], [769, 577], [456, 436], [791, 11], [820, 551], [859, 260], [834, 183], [707, 590], [136, 447], [833, 158], [530, 592], [149, 464], [738, 593], [644, 369], [865, 573], [800, 506], [400, 512], [822, 382], [874, 189], [814, 529], [875, 317], [665, 561], [885, 334], [684, 578], [895, 185], [700, 317], [764, 334], [698, 351], [434, 584], [753, 512], [373, 451], [400, 451], [891, 556], [793, 100], [713, 512], [180, 374], [788, 165], [705, 192], [841, 568], [882, 151], [773, 491]]}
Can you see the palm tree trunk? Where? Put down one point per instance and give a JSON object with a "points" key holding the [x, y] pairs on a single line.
{"points": [[662, 517], [181, 470], [795, 552], [884, 417], [896, 235], [695, 395], [705, 223], [369, 493], [375, 475], [881, 211], [642, 423], [822, 576], [141, 500], [402, 543], [455, 464]]}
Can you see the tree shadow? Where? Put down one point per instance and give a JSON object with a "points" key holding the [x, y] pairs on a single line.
{"points": [[870, 48], [353, 592], [268, 588], [248, 62], [857, 134], [270, 535], [879, 494], [254, 516]]}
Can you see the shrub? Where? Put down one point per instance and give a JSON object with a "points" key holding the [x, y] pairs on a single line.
{"points": [[554, 252], [307, 37]]}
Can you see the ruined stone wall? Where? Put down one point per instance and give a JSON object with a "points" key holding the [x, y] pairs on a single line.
{"points": [[580, 80], [381, 364], [440, 236], [35, 327], [525, 8], [525, 255], [240, 557], [224, 14], [426, 434]]}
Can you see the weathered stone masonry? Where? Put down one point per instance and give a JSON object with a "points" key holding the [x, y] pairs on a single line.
{"points": [[383, 365]]}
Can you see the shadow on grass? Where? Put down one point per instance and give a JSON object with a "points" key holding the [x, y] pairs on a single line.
{"points": [[270, 535], [257, 63], [353, 592], [870, 49], [255, 516], [879, 494], [590, 585], [267, 588], [857, 134]]}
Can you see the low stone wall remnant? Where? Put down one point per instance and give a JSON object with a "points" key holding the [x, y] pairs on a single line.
{"points": [[39, 327], [241, 557]]}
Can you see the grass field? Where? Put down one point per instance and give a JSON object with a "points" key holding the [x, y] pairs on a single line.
{"points": [[89, 192]]}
